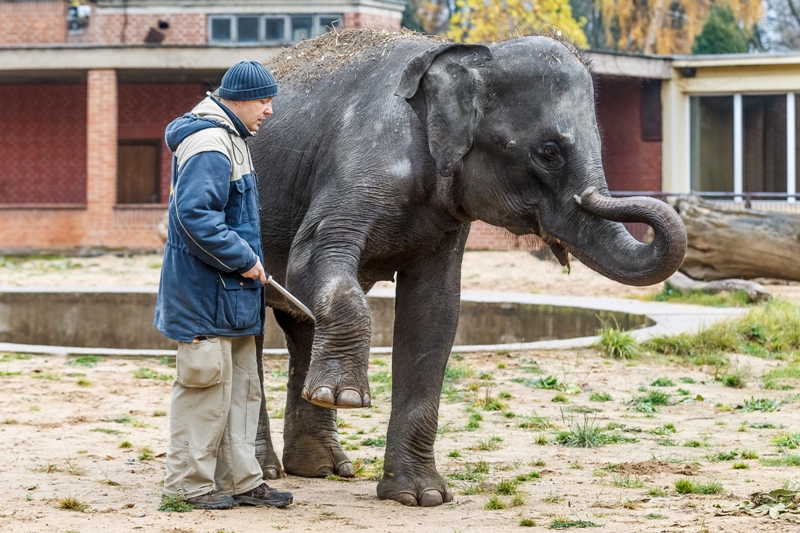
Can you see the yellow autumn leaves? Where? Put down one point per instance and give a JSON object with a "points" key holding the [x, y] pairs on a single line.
{"points": [[486, 21]]}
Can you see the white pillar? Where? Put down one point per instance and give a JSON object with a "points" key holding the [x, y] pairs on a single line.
{"points": [[738, 151], [791, 146]]}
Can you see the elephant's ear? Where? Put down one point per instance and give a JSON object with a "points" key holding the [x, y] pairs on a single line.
{"points": [[439, 84]]}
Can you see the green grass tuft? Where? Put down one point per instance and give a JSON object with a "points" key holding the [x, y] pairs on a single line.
{"points": [[687, 486], [70, 503], [787, 440], [764, 405], [495, 504], [560, 522], [663, 382], [616, 344], [174, 504], [696, 297]]}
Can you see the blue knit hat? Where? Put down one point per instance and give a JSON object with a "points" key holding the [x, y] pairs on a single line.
{"points": [[248, 80]]}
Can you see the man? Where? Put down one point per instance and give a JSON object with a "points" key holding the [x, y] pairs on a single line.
{"points": [[210, 298]]}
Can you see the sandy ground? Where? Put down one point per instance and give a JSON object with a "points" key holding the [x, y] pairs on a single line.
{"points": [[61, 426], [514, 271]]}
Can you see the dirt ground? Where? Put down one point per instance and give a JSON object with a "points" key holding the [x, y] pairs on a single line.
{"points": [[62, 424]]}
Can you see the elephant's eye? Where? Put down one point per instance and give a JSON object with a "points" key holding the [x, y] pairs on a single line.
{"points": [[551, 154], [550, 151]]}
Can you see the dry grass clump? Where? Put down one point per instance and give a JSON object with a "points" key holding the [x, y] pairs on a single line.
{"points": [[309, 60]]}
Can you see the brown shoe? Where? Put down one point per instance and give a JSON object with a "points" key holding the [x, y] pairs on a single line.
{"points": [[212, 500], [264, 495]]}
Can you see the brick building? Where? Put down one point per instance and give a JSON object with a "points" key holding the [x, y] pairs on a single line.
{"points": [[87, 90]]}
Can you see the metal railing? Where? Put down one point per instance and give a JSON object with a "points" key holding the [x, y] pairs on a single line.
{"points": [[765, 201]]}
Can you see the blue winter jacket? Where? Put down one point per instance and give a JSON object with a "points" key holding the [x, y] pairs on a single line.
{"points": [[214, 230]]}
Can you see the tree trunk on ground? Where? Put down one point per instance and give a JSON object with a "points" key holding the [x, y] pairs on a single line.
{"points": [[685, 285], [739, 244]]}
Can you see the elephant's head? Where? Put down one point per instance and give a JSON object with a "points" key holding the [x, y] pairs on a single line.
{"points": [[513, 126]]}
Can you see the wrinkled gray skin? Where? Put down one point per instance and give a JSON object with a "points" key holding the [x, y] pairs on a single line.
{"points": [[377, 172]]}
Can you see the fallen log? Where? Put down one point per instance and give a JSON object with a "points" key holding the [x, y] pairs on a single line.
{"points": [[725, 244], [685, 285]]}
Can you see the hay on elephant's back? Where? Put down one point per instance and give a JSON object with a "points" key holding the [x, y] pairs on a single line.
{"points": [[309, 60]]}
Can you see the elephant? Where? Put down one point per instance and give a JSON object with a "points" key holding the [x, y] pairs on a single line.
{"points": [[383, 148]]}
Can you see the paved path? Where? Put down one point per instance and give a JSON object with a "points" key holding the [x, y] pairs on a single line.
{"points": [[669, 318]]}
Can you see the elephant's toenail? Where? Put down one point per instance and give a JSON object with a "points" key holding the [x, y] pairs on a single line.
{"points": [[348, 398], [270, 473], [345, 469], [448, 495], [431, 498], [406, 498], [304, 394], [323, 396], [367, 402]]}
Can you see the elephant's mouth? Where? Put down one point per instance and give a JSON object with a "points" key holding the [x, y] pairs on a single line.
{"points": [[559, 250]]}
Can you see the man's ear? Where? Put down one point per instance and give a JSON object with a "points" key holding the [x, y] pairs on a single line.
{"points": [[439, 85]]}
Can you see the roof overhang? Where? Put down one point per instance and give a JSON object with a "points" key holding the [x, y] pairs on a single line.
{"points": [[632, 66]]}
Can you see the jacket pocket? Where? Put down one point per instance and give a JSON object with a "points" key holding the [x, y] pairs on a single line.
{"points": [[199, 364], [242, 201], [238, 302]]}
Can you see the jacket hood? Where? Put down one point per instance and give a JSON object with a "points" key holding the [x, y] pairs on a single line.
{"points": [[210, 113]]}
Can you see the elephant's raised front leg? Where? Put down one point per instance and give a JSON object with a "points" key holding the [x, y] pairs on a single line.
{"points": [[270, 465], [426, 317], [310, 437], [337, 372]]}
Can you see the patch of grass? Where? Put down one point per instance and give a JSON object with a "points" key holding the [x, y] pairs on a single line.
{"points": [[107, 431], [769, 330], [687, 486], [474, 422], [535, 422], [616, 344], [5, 373], [159, 413], [663, 382], [8, 356], [546, 382], [583, 435], [740, 466], [489, 444], [530, 476], [527, 522], [146, 453], [174, 504], [560, 398], [765, 425], [50, 376], [628, 482], [666, 429], [657, 493], [787, 440], [693, 444], [696, 297], [457, 372], [454, 453], [560, 522], [600, 397], [775, 385], [541, 439], [731, 455], [552, 497], [472, 472], [687, 380], [83, 382], [89, 361], [765, 405], [376, 442], [654, 516], [784, 460], [683, 392], [278, 413], [490, 403], [647, 403], [71, 503], [495, 504], [506, 487], [147, 373]]}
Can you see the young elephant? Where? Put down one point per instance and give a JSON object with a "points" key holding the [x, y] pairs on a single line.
{"points": [[382, 150]]}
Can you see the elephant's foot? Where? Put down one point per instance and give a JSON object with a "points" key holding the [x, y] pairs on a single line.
{"points": [[335, 384], [426, 489], [270, 464], [315, 456]]}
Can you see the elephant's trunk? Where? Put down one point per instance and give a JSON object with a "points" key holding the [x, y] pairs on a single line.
{"points": [[613, 252]]}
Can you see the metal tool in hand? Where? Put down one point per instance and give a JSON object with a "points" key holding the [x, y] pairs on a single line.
{"points": [[290, 297]]}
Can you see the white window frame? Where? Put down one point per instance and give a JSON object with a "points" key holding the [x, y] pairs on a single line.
{"points": [[316, 29], [738, 141]]}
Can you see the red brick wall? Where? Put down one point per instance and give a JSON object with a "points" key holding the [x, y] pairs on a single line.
{"points": [[184, 28], [366, 20], [43, 143], [630, 163], [32, 23], [145, 109]]}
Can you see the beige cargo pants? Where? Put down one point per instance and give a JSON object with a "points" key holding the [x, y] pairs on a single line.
{"points": [[213, 418]]}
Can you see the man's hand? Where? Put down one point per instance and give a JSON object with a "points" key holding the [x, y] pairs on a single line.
{"points": [[257, 272]]}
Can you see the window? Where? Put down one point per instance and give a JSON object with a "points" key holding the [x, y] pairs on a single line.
{"points": [[745, 143], [221, 29], [247, 29], [712, 143], [139, 172], [274, 28], [268, 29]]}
